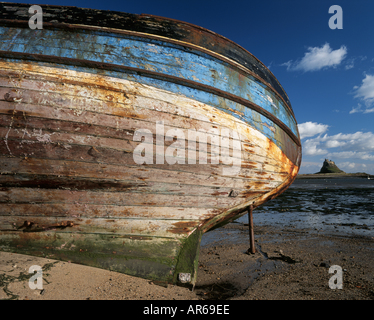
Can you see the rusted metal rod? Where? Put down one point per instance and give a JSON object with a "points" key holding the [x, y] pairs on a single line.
{"points": [[252, 248]]}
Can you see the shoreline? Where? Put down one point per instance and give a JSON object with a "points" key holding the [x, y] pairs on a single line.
{"points": [[290, 264], [334, 175]]}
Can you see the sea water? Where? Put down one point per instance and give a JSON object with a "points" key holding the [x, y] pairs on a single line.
{"points": [[343, 205]]}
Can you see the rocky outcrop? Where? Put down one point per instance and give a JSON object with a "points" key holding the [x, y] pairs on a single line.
{"points": [[330, 167]]}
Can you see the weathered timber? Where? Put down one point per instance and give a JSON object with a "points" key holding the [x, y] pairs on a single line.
{"points": [[75, 107]]}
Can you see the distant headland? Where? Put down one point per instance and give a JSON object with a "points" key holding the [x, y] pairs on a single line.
{"points": [[330, 170], [329, 166]]}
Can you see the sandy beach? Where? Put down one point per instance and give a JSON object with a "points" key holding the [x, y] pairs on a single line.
{"points": [[290, 264]]}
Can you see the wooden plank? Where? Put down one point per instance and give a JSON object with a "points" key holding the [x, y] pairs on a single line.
{"points": [[146, 117], [139, 174], [42, 149], [28, 127], [115, 185], [176, 99], [56, 196], [249, 151], [68, 211], [30, 134], [222, 115], [137, 107], [251, 148], [40, 145], [134, 100], [137, 227], [51, 152]]}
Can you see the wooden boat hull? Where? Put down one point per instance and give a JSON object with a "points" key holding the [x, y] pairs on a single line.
{"points": [[77, 105]]}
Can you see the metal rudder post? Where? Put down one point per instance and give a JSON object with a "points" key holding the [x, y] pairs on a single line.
{"points": [[252, 248]]}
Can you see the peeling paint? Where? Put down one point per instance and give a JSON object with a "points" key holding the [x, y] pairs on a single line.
{"points": [[69, 186]]}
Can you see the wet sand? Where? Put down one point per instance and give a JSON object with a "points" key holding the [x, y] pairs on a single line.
{"points": [[290, 263]]}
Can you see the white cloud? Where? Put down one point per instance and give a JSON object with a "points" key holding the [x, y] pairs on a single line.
{"points": [[310, 148], [356, 167], [369, 110], [349, 66], [361, 110], [351, 155], [287, 64], [358, 145], [365, 92], [334, 144], [358, 141], [310, 129], [350, 164], [356, 109], [350, 63], [318, 58], [310, 164]]}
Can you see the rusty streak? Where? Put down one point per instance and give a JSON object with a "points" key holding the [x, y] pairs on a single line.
{"points": [[154, 75]]}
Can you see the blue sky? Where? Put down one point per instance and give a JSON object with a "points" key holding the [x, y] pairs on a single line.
{"points": [[328, 74]]}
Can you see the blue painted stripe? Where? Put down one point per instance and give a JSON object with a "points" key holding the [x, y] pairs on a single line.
{"points": [[151, 55], [249, 116]]}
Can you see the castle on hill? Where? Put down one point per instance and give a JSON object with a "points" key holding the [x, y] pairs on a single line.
{"points": [[330, 167]]}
